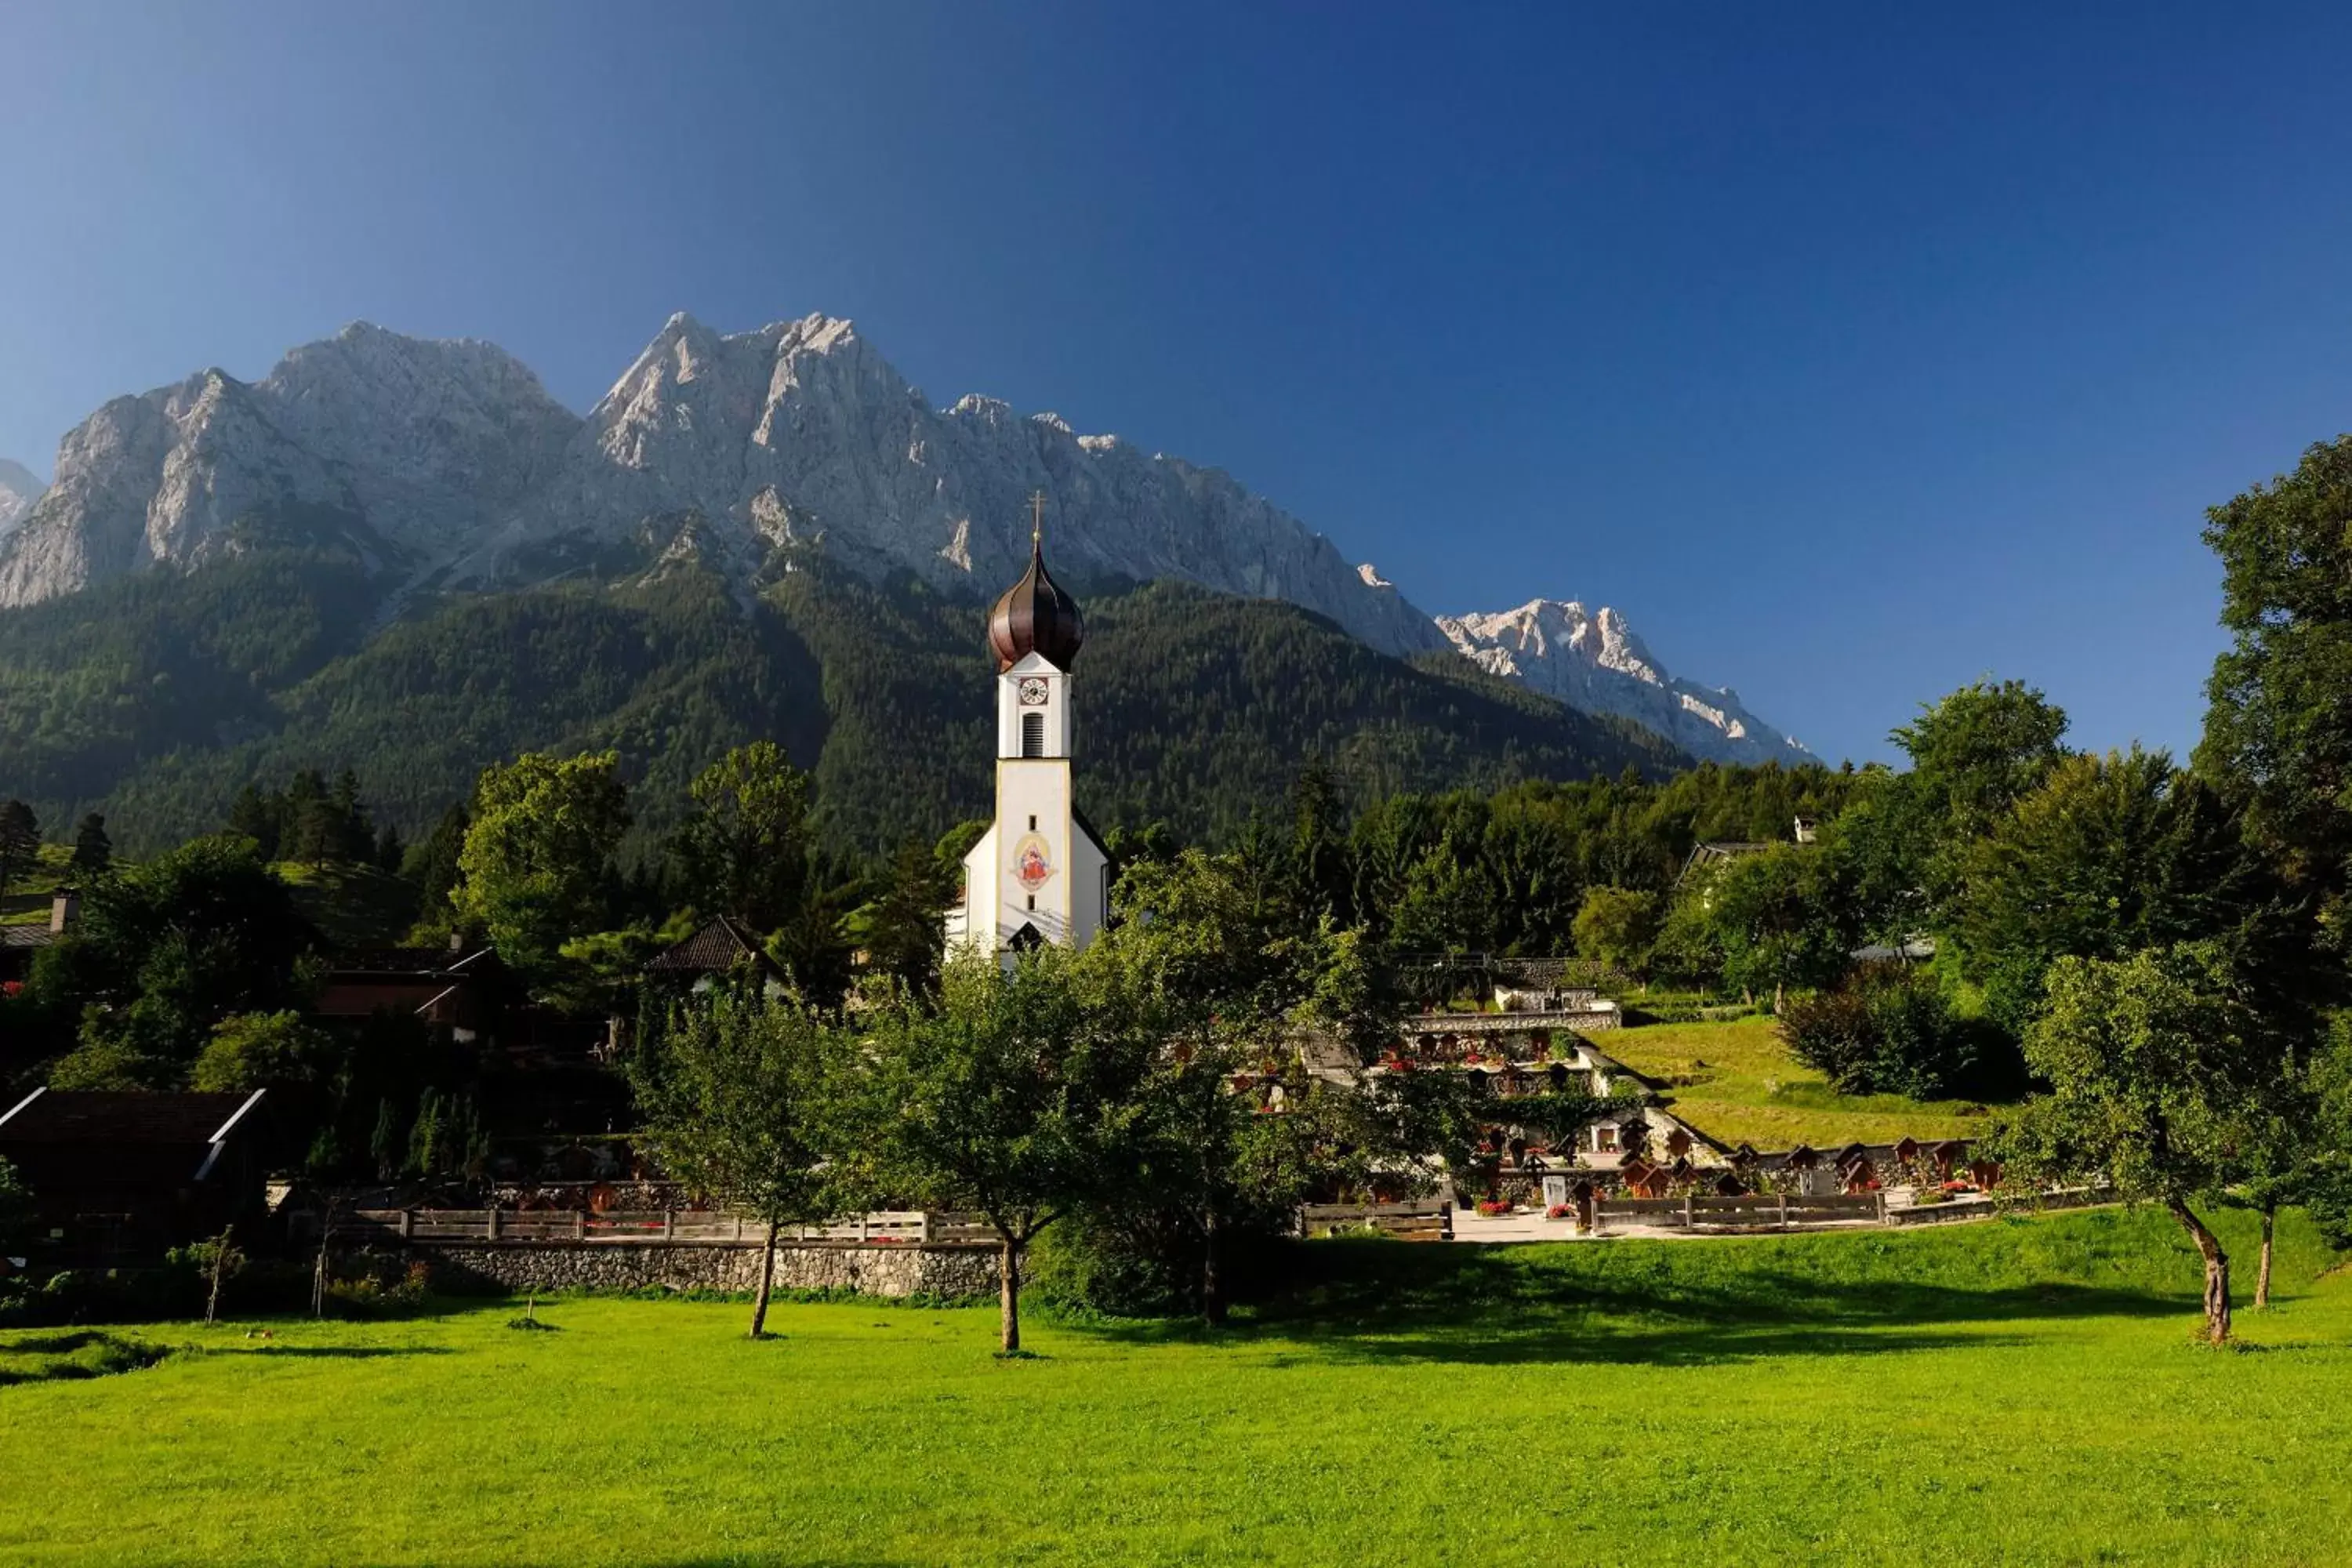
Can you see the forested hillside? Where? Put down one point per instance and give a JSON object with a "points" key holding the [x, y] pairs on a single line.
{"points": [[155, 698]]}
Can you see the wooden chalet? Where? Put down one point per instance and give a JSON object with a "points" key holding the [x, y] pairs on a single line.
{"points": [[129, 1176], [457, 988]]}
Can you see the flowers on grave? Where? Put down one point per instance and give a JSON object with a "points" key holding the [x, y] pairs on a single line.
{"points": [[1493, 1207], [1557, 1210]]}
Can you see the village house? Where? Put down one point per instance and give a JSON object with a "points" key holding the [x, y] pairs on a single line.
{"points": [[124, 1176], [20, 944]]}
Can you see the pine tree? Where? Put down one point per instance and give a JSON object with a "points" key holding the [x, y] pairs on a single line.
{"points": [[20, 840], [93, 850]]}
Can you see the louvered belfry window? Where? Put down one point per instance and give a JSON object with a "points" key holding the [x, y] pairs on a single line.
{"points": [[1033, 734]]}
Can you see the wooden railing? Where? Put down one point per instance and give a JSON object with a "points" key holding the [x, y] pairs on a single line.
{"points": [[653, 1227], [1419, 1219], [1752, 1212]]}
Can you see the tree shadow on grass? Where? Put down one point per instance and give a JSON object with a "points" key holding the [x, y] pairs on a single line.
{"points": [[1382, 1302], [349, 1353]]}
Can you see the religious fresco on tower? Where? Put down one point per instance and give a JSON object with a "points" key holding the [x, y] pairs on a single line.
{"points": [[1033, 862]]}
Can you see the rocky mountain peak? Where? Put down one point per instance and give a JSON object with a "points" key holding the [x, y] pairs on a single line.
{"points": [[448, 461], [1594, 660], [18, 491]]}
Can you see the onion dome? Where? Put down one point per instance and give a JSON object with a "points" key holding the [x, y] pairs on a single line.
{"points": [[1035, 615]]}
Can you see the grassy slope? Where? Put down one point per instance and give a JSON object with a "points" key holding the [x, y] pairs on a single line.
{"points": [[1736, 1082], [353, 906], [2022, 1391]]}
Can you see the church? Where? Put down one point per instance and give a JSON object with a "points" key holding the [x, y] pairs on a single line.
{"points": [[1040, 874]]}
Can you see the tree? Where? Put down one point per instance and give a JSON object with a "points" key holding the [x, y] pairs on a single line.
{"points": [[2158, 1071], [537, 865], [1013, 1095], [901, 928], [1618, 926], [1906, 837], [166, 951], [1890, 1029], [447, 1139], [1768, 921], [2108, 854], [433, 863], [15, 1206], [20, 840], [310, 827], [745, 849], [93, 851], [1227, 971], [259, 817], [731, 1091], [257, 1050], [2278, 727]]}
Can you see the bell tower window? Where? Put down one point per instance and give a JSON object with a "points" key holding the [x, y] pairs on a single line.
{"points": [[1033, 734]]}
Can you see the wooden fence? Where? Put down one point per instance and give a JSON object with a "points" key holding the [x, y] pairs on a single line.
{"points": [[653, 1227], [1752, 1212], [1420, 1219]]}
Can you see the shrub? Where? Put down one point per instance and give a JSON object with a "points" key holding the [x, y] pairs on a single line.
{"points": [[1889, 1029]]}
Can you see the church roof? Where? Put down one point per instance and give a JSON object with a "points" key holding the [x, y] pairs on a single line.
{"points": [[1036, 615]]}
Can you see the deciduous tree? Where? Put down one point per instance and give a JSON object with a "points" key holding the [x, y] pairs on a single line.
{"points": [[1014, 1094], [2278, 727], [732, 1094], [537, 865], [2158, 1073]]}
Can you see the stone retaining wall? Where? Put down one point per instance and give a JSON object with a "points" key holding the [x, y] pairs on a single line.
{"points": [[704, 1266]]}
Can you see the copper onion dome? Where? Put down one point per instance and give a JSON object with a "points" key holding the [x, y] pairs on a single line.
{"points": [[1035, 615]]}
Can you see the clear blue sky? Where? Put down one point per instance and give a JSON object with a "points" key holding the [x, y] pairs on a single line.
{"points": [[1853, 353]]}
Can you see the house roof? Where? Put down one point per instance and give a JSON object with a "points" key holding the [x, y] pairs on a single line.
{"points": [[718, 947], [88, 1116], [434, 961]]}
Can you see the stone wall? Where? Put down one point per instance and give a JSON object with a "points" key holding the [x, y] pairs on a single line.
{"points": [[705, 1266]]}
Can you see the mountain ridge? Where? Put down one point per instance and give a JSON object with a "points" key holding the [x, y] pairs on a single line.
{"points": [[19, 488], [444, 464]]}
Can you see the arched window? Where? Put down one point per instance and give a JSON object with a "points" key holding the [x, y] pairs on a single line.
{"points": [[1033, 734]]}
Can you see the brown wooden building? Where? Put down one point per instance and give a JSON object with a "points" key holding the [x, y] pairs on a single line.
{"points": [[118, 1177]]}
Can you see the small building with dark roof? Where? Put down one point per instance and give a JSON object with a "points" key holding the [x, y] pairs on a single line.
{"points": [[20, 944], [718, 949], [120, 1176], [456, 988]]}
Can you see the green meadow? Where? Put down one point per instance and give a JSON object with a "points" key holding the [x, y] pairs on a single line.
{"points": [[2022, 1391], [1738, 1083]]}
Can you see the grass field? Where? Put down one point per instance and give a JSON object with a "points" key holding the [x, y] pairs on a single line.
{"points": [[1739, 1083], [2015, 1391]]}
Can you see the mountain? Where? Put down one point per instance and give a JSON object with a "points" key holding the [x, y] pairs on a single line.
{"points": [[399, 449], [18, 491], [446, 465], [156, 696], [1592, 661]]}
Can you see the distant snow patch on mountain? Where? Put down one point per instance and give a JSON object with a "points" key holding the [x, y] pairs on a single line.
{"points": [[1593, 661]]}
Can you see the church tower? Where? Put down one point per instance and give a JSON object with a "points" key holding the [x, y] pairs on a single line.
{"points": [[1039, 874]]}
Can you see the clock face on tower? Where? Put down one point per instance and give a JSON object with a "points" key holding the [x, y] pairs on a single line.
{"points": [[1032, 691]]}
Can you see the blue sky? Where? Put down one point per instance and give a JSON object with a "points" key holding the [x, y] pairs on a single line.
{"points": [[1853, 352]]}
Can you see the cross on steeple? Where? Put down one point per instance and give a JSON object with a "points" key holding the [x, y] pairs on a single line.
{"points": [[1036, 519]]}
